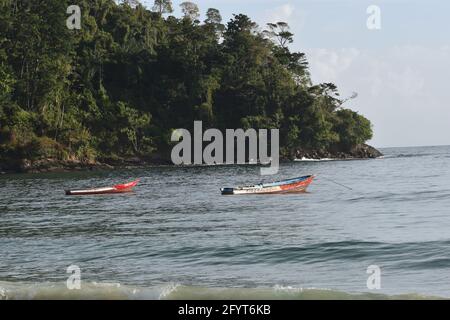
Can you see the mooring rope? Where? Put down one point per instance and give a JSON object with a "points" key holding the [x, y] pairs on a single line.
{"points": [[339, 184]]}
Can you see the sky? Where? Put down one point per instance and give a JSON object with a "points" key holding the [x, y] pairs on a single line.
{"points": [[399, 71]]}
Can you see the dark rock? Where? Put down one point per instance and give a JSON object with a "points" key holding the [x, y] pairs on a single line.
{"points": [[365, 151], [362, 151]]}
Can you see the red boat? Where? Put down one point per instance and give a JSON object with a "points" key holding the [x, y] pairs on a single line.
{"points": [[120, 188], [295, 185]]}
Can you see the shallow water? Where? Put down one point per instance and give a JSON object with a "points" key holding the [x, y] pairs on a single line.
{"points": [[176, 236]]}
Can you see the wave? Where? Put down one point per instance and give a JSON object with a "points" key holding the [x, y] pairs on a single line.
{"points": [[413, 196], [413, 254], [314, 160], [87, 291], [409, 155], [116, 291]]}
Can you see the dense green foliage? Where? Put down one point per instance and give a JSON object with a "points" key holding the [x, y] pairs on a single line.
{"points": [[118, 86]]}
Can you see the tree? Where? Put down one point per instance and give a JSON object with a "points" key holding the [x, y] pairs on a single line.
{"points": [[241, 24], [117, 87], [280, 32], [163, 6], [132, 3], [353, 128], [132, 125], [214, 19], [294, 61], [213, 16], [190, 10]]}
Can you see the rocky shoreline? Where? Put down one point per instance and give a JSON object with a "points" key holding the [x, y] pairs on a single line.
{"points": [[55, 165], [363, 151]]}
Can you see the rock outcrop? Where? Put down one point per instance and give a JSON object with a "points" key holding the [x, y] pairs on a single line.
{"points": [[362, 151]]}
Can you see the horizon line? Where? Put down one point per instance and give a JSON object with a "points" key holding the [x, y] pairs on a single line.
{"points": [[415, 146]]}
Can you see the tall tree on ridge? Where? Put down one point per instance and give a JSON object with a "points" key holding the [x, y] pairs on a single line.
{"points": [[294, 61], [214, 18], [163, 6], [132, 3], [190, 10], [280, 32]]}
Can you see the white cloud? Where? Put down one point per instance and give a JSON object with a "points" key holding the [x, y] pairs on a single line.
{"points": [[407, 82], [403, 89], [328, 65], [287, 12], [281, 13]]}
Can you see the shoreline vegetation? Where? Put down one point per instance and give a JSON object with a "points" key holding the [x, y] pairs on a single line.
{"points": [[110, 94]]}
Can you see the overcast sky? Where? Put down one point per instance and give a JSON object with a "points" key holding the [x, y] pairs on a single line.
{"points": [[401, 72]]}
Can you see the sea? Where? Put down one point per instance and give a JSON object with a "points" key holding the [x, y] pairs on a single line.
{"points": [[366, 229]]}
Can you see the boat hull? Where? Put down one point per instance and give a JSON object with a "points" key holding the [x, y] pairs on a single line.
{"points": [[297, 185], [95, 191], [121, 188]]}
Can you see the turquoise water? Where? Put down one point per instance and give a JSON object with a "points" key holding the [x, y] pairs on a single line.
{"points": [[177, 237]]}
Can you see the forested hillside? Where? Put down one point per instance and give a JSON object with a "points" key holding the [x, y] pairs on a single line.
{"points": [[117, 87]]}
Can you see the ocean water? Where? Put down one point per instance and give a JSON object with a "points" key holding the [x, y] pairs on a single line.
{"points": [[176, 237]]}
